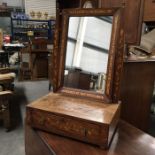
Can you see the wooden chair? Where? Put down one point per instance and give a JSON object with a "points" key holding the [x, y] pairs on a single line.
{"points": [[39, 45], [4, 62], [25, 69], [39, 58]]}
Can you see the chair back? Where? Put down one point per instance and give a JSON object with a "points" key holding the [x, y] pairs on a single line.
{"points": [[39, 44], [25, 55]]}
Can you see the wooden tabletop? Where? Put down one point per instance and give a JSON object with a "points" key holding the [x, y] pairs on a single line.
{"points": [[128, 140]]}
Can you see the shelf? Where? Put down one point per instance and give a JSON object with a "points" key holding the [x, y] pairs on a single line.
{"points": [[34, 29], [34, 20], [140, 60], [5, 14], [44, 28]]}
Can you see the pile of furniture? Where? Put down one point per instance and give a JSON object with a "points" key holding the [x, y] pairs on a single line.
{"points": [[6, 91]]}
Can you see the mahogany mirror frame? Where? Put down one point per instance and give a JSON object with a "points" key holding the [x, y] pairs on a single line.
{"points": [[115, 60]]}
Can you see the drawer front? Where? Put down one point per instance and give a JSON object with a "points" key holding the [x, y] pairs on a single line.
{"points": [[149, 10], [67, 126]]}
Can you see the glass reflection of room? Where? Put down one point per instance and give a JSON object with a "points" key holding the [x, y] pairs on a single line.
{"points": [[87, 50]]}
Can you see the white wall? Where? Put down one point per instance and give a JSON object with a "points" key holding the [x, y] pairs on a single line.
{"points": [[18, 3], [5, 23], [42, 6]]}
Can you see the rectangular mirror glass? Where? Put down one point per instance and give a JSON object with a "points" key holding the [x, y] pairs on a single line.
{"points": [[87, 51]]}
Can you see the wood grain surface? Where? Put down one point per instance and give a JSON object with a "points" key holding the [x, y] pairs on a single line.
{"points": [[76, 107], [127, 141]]}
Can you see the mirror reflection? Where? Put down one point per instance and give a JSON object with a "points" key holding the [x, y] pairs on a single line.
{"points": [[87, 50]]}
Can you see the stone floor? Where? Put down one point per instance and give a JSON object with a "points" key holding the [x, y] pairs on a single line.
{"points": [[12, 143]]}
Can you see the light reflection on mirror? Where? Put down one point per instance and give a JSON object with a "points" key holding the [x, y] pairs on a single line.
{"points": [[87, 52], [88, 4]]}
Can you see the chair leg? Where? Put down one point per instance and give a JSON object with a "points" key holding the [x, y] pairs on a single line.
{"points": [[20, 75], [6, 115], [49, 88]]}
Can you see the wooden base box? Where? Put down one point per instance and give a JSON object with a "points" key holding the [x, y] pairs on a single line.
{"points": [[82, 119]]}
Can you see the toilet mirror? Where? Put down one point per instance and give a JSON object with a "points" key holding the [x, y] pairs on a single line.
{"points": [[90, 53]]}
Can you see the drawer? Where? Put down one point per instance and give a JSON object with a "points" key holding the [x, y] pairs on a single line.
{"points": [[71, 127], [149, 10]]}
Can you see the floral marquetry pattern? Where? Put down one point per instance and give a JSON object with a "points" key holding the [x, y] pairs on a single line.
{"points": [[89, 12], [70, 126], [62, 50], [120, 56], [77, 92], [111, 58]]}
